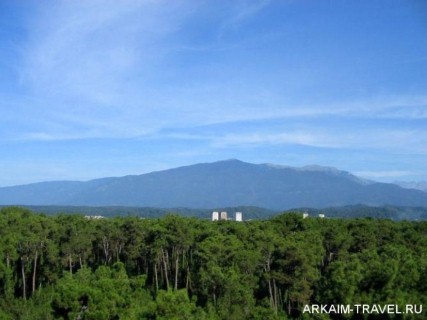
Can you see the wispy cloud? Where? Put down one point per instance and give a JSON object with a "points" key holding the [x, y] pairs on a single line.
{"points": [[109, 69], [254, 139], [243, 10], [312, 134], [96, 68], [381, 175], [95, 60]]}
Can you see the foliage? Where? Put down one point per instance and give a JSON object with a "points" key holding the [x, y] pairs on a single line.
{"points": [[69, 267]]}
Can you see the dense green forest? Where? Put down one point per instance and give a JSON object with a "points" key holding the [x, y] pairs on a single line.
{"points": [[70, 267]]}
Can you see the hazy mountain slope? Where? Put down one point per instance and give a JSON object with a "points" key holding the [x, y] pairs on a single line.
{"points": [[225, 183], [419, 185]]}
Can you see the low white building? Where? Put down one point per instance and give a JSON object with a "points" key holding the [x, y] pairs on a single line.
{"points": [[94, 217]]}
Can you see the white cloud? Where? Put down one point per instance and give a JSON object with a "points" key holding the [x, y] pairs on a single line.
{"points": [[93, 71], [94, 68], [384, 174], [301, 138], [92, 61], [381, 139]]}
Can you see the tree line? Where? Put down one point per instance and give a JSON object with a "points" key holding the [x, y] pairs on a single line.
{"points": [[250, 212], [70, 267]]}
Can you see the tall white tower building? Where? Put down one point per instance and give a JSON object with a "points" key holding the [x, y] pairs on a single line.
{"points": [[223, 215], [215, 216], [239, 216]]}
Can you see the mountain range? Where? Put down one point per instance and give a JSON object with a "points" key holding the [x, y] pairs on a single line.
{"points": [[226, 183]]}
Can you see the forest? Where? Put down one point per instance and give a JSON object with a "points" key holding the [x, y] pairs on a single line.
{"points": [[70, 267]]}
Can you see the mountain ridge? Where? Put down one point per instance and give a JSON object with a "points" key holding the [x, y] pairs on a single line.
{"points": [[218, 184]]}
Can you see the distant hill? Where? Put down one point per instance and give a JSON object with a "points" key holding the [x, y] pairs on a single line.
{"points": [[227, 183]]}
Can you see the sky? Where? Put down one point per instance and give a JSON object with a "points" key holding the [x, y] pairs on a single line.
{"points": [[92, 89]]}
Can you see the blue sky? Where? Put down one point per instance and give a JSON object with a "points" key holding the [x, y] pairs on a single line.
{"points": [[107, 88]]}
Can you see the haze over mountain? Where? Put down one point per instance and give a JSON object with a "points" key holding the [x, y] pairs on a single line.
{"points": [[219, 184], [419, 185]]}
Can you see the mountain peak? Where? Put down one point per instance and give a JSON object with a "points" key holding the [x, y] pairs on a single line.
{"points": [[232, 160]]}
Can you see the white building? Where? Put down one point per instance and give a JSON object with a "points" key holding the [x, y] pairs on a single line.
{"points": [[215, 216], [305, 215], [321, 215], [223, 215], [94, 217]]}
